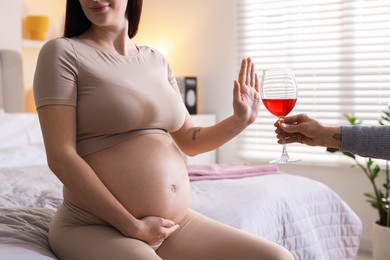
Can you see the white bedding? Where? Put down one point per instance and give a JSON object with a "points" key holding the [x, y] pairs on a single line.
{"points": [[298, 213]]}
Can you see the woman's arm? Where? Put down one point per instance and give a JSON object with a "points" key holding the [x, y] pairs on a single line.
{"points": [[58, 125], [193, 140]]}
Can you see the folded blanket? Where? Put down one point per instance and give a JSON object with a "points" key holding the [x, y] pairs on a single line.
{"points": [[228, 171]]}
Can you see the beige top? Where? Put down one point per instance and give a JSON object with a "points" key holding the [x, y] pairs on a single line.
{"points": [[116, 96]]}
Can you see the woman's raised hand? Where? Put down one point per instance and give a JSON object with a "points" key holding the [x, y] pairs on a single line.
{"points": [[246, 96]]}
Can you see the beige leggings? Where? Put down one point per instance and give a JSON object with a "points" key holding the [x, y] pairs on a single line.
{"points": [[76, 235]]}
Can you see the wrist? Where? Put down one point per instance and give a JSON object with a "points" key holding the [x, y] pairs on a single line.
{"points": [[130, 227], [240, 122], [334, 137]]}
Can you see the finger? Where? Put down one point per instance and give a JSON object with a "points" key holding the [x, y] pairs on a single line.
{"points": [[173, 229], [278, 130], [290, 128], [257, 85], [167, 223], [293, 119], [286, 141], [253, 74], [248, 71], [242, 74], [159, 240], [283, 135], [168, 231], [236, 90], [279, 122], [282, 139]]}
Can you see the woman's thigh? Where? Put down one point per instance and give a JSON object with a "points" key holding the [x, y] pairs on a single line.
{"points": [[200, 237], [77, 236]]}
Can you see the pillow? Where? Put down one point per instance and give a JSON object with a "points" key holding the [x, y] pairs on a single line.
{"points": [[19, 129]]}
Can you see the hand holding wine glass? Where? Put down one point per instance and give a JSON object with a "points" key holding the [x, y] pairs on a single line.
{"points": [[279, 94]]}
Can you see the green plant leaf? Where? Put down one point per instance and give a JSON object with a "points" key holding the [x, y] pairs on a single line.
{"points": [[385, 117], [352, 119], [376, 171], [349, 155], [369, 195], [369, 162], [373, 204], [332, 150]]}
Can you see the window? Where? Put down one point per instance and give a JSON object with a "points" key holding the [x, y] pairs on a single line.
{"points": [[340, 53]]}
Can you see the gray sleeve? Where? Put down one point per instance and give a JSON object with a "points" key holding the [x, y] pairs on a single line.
{"points": [[367, 141]]}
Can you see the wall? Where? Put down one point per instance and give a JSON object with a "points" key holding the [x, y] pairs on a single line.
{"points": [[55, 10], [10, 27], [199, 38]]}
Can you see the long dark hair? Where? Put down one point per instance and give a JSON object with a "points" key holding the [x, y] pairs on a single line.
{"points": [[77, 23]]}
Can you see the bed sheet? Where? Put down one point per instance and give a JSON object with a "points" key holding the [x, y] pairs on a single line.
{"points": [[303, 215], [23, 233]]}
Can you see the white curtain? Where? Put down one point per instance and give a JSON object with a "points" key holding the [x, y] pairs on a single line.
{"points": [[340, 53]]}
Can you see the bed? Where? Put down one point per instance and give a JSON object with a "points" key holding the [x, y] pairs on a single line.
{"points": [[301, 214]]}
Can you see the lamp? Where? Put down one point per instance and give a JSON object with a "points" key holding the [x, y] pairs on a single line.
{"points": [[37, 26]]}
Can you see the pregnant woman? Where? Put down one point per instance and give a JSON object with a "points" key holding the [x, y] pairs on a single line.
{"points": [[112, 120]]}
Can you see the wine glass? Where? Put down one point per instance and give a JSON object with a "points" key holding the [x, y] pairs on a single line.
{"points": [[279, 94]]}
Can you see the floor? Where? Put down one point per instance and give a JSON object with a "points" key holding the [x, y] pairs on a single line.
{"points": [[364, 256]]}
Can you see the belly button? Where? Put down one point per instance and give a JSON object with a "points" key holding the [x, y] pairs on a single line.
{"points": [[173, 188]]}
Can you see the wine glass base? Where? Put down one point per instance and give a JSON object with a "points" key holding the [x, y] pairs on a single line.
{"points": [[283, 160]]}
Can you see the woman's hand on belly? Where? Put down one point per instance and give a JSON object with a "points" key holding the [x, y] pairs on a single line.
{"points": [[154, 230], [149, 178]]}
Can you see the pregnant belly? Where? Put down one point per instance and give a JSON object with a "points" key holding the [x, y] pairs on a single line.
{"points": [[146, 174]]}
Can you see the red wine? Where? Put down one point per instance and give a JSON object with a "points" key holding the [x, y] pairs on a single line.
{"points": [[279, 107]]}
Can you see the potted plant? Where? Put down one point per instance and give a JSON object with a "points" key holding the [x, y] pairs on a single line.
{"points": [[379, 198]]}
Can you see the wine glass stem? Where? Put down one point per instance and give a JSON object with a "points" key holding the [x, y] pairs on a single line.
{"points": [[284, 148], [284, 152]]}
